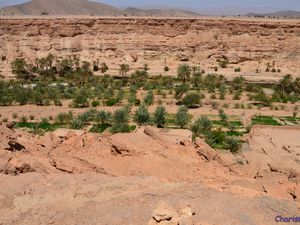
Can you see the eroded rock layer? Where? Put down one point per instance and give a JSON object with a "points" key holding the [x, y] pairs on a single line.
{"points": [[157, 42]]}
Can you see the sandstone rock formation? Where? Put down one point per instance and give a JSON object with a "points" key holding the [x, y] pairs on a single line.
{"points": [[150, 176], [159, 42]]}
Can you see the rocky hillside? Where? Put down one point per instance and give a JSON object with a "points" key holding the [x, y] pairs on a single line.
{"points": [[58, 7], [85, 7], [247, 44], [148, 177]]}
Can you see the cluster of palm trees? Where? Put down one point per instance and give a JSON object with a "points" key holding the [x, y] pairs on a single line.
{"points": [[51, 67]]}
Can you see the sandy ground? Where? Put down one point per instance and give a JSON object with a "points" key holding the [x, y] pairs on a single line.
{"points": [[137, 17], [73, 177]]}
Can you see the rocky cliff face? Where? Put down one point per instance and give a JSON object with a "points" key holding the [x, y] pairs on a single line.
{"points": [[157, 42]]}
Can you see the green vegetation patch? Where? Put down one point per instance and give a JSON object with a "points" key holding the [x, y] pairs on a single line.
{"points": [[265, 120], [43, 126], [99, 128]]}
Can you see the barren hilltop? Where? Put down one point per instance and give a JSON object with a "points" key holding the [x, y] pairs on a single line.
{"points": [[84, 7]]}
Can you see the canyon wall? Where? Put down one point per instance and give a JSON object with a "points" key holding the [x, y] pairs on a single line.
{"points": [[159, 42]]}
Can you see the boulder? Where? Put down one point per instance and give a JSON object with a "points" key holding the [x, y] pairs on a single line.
{"points": [[14, 146], [205, 150], [16, 166], [167, 215]]}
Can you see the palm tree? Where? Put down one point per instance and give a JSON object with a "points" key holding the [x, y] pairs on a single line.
{"points": [[285, 85], [296, 85], [124, 68], [20, 69], [184, 72]]}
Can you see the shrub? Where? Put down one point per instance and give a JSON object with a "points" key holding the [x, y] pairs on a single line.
{"points": [[64, 118], [15, 115], [215, 138], [223, 116], [88, 115], [31, 117], [182, 117], [222, 92], [232, 144], [191, 100], [214, 105], [180, 90], [201, 126], [103, 117], [223, 63], [22, 95], [120, 120], [237, 70], [103, 68], [237, 95], [81, 99], [166, 69], [111, 102], [295, 111], [95, 103], [238, 83], [120, 96], [23, 119], [44, 120], [160, 116], [142, 116], [149, 98], [132, 98], [77, 124]]}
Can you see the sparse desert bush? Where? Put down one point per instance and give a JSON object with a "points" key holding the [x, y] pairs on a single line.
{"points": [[182, 117], [81, 99], [232, 143], [120, 121], [223, 63], [213, 96], [222, 92], [223, 116], [180, 90], [15, 115], [120, 96], [44, 120], [191, 100], [110, 102], [295, 111], [23, 119], [214, 105], [201, 126], [142, 116], [103, 117], [226, 106], [215, 138], [149, 98], [103, 67], [64, 118], [31, 117], [237, 70], [160, 116], [77, 124], [95, 103]]}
